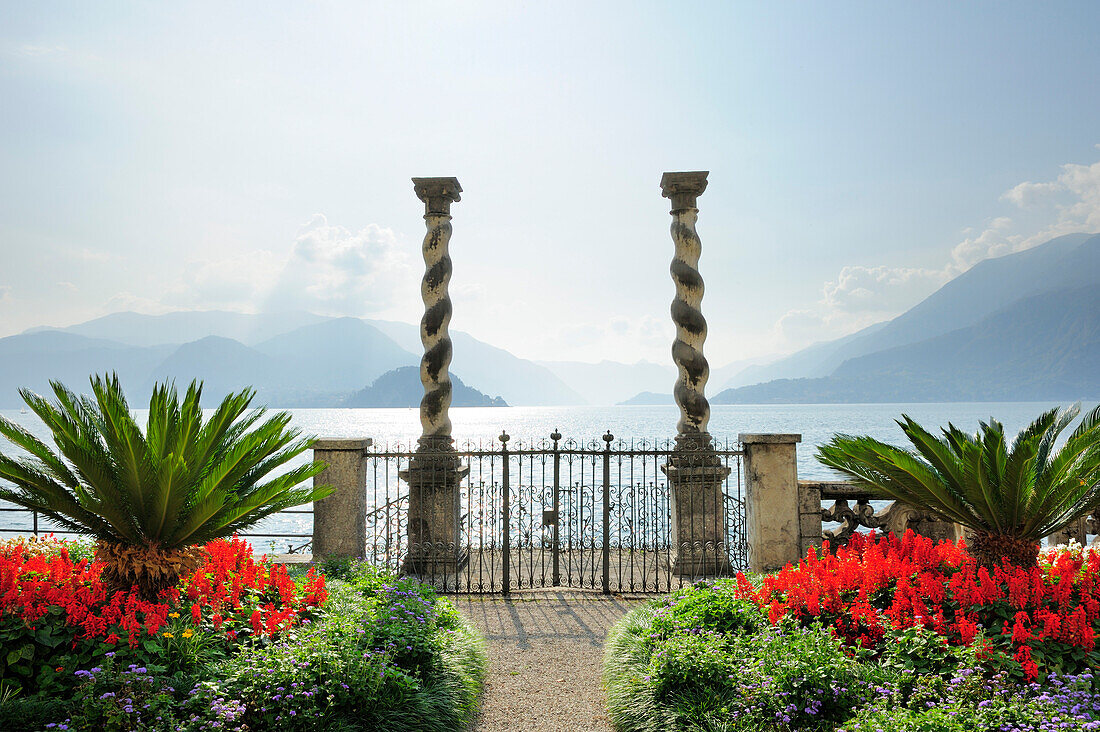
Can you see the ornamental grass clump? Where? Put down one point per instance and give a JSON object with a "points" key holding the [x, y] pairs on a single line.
{"points": [[1010, 497], [150, 499]]}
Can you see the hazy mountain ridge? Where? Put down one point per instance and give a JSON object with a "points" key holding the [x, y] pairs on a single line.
{"points": [[647, 398], [610, 382], [291, 359], [1044, 344], [1065, 262], [401, 387]]}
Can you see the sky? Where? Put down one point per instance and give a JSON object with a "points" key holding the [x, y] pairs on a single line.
{"points": [[257, 157]]}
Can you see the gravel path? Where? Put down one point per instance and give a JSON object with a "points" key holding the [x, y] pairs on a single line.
{"points": [[545, 652]]}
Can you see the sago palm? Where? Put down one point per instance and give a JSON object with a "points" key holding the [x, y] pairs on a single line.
{"points": [[149, 499], [1009, 496]]}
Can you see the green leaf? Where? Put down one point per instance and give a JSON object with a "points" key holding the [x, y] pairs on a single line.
{"points": [[183, 480]]}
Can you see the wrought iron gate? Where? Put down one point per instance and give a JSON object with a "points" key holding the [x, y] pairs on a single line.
{"points": [[556, 513]]}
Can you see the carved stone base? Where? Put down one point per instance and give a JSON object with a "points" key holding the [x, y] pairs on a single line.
{"points": [[698, 510], [435, 512], [435, 561]]}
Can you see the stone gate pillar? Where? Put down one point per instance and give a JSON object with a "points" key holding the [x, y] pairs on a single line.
{"points": [[435, 471], [340, 521], [695, 472], [773, 506]]}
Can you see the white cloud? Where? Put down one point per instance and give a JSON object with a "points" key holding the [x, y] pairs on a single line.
{"points": [[66, 285], [329, 270], [129, 302], [335, 271], [862, 295], [1027, 193], [1066, 205], [995, 240], [858, 297], [239, 282], [629, 339], [5, 295], [860, 289], [84, 254]]}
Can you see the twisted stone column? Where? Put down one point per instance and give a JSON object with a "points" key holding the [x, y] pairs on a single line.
{"points": [[695, 472], [691, 327], [437, 195], [435, 472]]}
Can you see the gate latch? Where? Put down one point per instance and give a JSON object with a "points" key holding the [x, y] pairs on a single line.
{"points": [[549, 517]]}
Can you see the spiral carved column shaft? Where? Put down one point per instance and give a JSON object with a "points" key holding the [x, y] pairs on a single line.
{"points": [[695, 473], [691, 327], [435, 472], [434, 418]]}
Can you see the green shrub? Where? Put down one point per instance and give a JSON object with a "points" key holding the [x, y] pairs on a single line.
{"points": [[668, 666], [397, 659], [923, 651], [381, 653], [972, 703]]}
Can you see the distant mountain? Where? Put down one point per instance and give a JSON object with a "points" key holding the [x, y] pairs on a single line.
{"points": [[292, 359], [402, 388], [1064, 263], [648, 398], [610, 382], [223, 365], [519, 381], [32, 360], [1044, 347], [337, 355], [135, 329], [816, 359]]}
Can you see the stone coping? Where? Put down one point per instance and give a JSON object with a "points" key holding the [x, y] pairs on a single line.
{"points": [[753, 438], [342, 443]]}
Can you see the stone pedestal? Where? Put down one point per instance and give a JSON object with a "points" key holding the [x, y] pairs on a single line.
{"points": [[773, 512], [435, 511], [339, 521], [435, 472], [697, 501]]}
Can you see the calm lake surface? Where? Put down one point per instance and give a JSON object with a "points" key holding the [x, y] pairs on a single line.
{"points": [[815, 422]]}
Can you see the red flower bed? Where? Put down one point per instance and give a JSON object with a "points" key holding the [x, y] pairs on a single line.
{"points": [[1048, 614], [231, 590]]}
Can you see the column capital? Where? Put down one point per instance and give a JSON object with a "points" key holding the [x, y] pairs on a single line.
{"points": [[684, 187], [437, 194]]}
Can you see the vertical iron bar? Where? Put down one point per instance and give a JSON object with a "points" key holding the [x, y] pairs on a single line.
{"points": [[34, 518], [555, 550], [607, 513], [505, 553]]}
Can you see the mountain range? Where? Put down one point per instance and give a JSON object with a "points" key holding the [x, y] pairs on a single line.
{"points": [[1021, 327], [292, 359]]}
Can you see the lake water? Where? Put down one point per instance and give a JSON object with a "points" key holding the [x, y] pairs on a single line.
{"points": [[815, 422]]}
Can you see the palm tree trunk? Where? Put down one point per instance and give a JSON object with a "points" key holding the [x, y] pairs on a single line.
{"points": [[149, 569], [992, 549]]}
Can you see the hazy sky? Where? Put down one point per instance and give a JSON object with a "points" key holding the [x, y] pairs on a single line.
{"points": [[257, 156]]}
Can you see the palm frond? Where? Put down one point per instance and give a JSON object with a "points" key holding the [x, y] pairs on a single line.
{"points": [[1026, 490], [181, 479]]}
